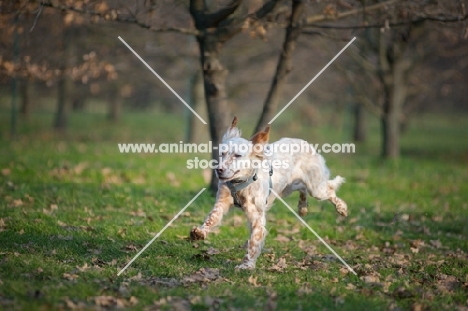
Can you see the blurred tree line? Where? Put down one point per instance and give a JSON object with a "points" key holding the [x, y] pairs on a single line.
{"points": [[409, 56]]}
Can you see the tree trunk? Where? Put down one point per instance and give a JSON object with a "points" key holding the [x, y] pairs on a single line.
{"points": [[214, 78], [196, 98], [25, 109], [64, 83], [78, 98], [359, 132], [217, 27], [395, 91], [114, 104], [284, 66], [390, 132], [61, 114]]}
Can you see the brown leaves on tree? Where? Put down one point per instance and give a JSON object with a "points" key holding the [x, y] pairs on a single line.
{"points": [[90, 69]]}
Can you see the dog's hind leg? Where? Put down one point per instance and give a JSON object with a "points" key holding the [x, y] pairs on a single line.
{"points": [[340, 205], [302, 205], [326, 190]]}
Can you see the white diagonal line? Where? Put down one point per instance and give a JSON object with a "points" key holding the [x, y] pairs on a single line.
{"points": [[313, 79], [315, 233], [162, 80], [160, 232]]}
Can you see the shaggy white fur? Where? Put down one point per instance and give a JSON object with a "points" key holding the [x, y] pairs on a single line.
{"points": [[303, 171]]}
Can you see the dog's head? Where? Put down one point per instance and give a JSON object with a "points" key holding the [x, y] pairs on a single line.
{"points": [[237, 155]]}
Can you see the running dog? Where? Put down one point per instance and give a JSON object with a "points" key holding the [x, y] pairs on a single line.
{"points": [[251, 173]]}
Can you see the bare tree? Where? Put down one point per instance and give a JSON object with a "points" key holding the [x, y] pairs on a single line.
{"points": [[214, 23], [284, 66]]}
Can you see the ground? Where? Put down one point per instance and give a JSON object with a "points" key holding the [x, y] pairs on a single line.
{"points": [[74, 212]]}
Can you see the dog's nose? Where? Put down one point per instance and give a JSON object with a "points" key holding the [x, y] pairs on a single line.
{"points": [[220, 170]]}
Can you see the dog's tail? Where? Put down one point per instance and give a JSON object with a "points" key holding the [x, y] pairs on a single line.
{"points": [[336, 182]]}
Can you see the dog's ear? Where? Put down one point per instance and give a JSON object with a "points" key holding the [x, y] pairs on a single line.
{"points": [[261, 137], [232, 131]]}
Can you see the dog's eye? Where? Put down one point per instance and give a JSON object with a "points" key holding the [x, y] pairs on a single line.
{"points": [[238, 155]]}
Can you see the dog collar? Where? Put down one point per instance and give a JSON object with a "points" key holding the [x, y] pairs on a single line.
{"points": [[237, 185]]}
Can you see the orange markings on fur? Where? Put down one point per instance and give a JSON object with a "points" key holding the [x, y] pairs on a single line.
{"points": [[234, 122], [261, 137]]}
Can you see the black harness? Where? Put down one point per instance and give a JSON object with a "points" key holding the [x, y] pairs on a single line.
{"points": [[237, 185]]}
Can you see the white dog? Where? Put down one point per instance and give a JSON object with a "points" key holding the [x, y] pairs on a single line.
{"points": [[247, 171]]}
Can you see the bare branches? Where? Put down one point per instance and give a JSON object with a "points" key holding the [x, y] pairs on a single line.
{"points": [[311, 20], [213, 19], [418, 20], [41, 7], [284, 65], [235, 25], [113, 15]]}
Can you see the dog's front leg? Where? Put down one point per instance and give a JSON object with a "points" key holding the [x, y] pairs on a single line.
{"points": [[223, 203], [258, 232]]}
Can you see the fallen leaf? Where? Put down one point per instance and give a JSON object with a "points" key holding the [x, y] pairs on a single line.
{"points": [[109, 301], [17, 203], [403, 293], [133, 301], [279, 266], [172, 179], [203, 275], [447, 283], [253, 281], [130, 248], [350, 286], [436, 243], [304, 290], [414, 250], [70, 277], [136, 277], [370, 279], [344, 271], [6, 171], [139, 213], [84, 268], [282, 239], [211, 251]]}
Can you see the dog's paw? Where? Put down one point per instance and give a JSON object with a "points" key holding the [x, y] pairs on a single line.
{"points": [[248, 265], [341, 208], [197, 234], [303, 211]]}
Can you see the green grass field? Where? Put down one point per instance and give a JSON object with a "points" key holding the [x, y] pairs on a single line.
{"points": [[74, 212]]}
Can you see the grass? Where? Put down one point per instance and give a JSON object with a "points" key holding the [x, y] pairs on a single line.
{"points": [[74, 212]]}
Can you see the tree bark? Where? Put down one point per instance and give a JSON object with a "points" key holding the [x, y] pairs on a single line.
{"points": [[61, 114], [215, 29], [283, 67], [360, 128], [25, 109], [196, 98], [78, 98], [64, 82], [393, 78], [214, 78], [114, 104]]}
